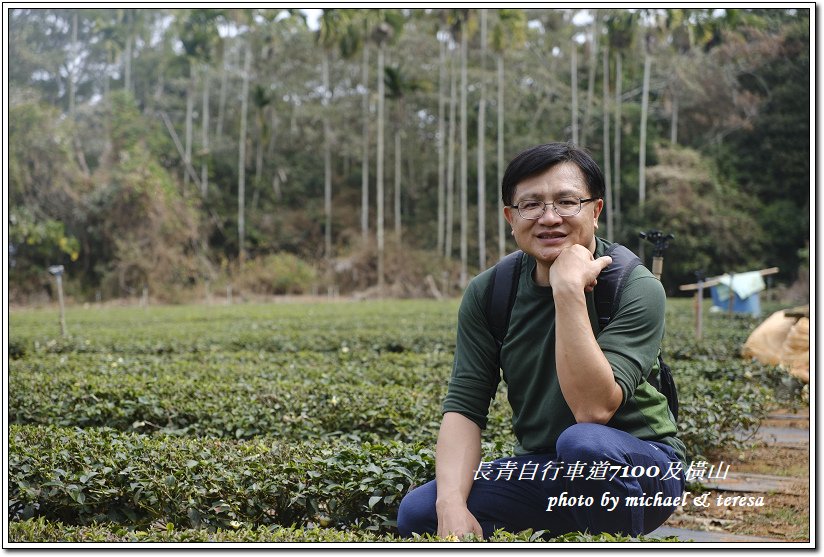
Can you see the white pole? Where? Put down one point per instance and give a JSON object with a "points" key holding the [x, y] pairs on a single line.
{"points": [[62, 310], [700, 310]]}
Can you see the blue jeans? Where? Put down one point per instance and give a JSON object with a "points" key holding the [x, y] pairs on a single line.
{"points": [[566, 491]]}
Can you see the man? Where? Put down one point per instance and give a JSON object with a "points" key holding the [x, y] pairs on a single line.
{"points": [[586, 420]]}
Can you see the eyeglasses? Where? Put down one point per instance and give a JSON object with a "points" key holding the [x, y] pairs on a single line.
{"points": [[533, 209]]}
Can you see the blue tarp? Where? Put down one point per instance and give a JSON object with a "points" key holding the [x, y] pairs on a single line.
{"points": [[745, 288]]}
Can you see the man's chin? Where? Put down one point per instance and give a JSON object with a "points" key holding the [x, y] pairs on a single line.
{"points": [[546, 256]]}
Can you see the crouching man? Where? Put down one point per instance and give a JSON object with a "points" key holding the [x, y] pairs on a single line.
{"points": [[593, 434]]}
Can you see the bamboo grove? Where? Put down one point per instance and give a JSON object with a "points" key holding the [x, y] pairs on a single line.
{"points": [[187, 150]]}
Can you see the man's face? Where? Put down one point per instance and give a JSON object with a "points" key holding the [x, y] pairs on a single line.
{"points": [[547, 236]]}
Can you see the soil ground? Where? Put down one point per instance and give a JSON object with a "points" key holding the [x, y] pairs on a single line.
{"points": [[785, 515]]}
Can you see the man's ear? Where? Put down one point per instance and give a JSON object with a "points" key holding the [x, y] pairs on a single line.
{"points": [[509, 214], [598, 207]]}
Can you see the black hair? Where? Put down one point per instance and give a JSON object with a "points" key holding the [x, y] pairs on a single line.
{"points": [[540, 158]]}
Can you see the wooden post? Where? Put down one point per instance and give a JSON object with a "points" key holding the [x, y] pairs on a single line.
{"points": [[731, 303], [657, 266], [699, 311], [62, 309], [57, 272]]}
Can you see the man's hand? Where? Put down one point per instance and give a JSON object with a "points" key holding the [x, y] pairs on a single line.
{"points": [[576, 269], [456, 520], [457, 455]]}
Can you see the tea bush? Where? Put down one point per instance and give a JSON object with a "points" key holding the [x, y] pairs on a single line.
{"points": [[217, 408], [379, 326], [50, 532], [281, 422], [390, 396], [85, 476]]}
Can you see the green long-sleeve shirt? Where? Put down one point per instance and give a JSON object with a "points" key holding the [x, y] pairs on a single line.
{"points": [[630, 343]]}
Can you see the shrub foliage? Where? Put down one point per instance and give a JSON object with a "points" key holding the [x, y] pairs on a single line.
{"points": [[279, 422]]}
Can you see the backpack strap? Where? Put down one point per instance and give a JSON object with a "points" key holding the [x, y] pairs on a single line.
{"points": [[502, 290], [611, 282], [608, 291], [666, 384]]}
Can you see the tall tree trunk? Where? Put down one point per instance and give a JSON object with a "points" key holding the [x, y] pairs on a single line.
{"points": [[464, 171], [501, 221], [593, 62], [278, 174], [259, 159], [482, 150], [674, 122], [105, 155], [616, 148], [411, 177], [642, 147], [450, 161], [78, 149], [365, 150], [204, 136], [241, 162], [574, 79], [379, 170], [397, 191], [128, 19], [107, 80], [607, 162], [327, 164], [441, 144], [187, 146], [72, 77], [221, 103], [156, 99]]}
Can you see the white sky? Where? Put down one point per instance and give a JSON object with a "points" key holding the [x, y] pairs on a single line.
{"points": [[312, 16]]}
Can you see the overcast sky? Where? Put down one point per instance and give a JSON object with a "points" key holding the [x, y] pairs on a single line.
{"points": [[312, 15]]}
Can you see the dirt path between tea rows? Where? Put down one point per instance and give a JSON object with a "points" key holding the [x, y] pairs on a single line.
{"points": [[775, 474]]}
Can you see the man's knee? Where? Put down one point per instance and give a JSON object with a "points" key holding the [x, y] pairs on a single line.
{"points": [[584, 441], [416, 514]]}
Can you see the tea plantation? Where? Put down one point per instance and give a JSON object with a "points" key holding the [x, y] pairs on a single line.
{"points": [[287, 422]]}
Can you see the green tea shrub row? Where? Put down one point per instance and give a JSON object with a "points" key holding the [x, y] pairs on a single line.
{"points": [[238, 409], [308, 397], [89, 476], [722, 401], [721, 415], [295, 340], [39, 530], [722, 335], [408, 369], [417, 326], [397, 326]]}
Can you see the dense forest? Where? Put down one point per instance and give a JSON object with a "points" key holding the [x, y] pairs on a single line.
{"points": [[185, 151]]}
